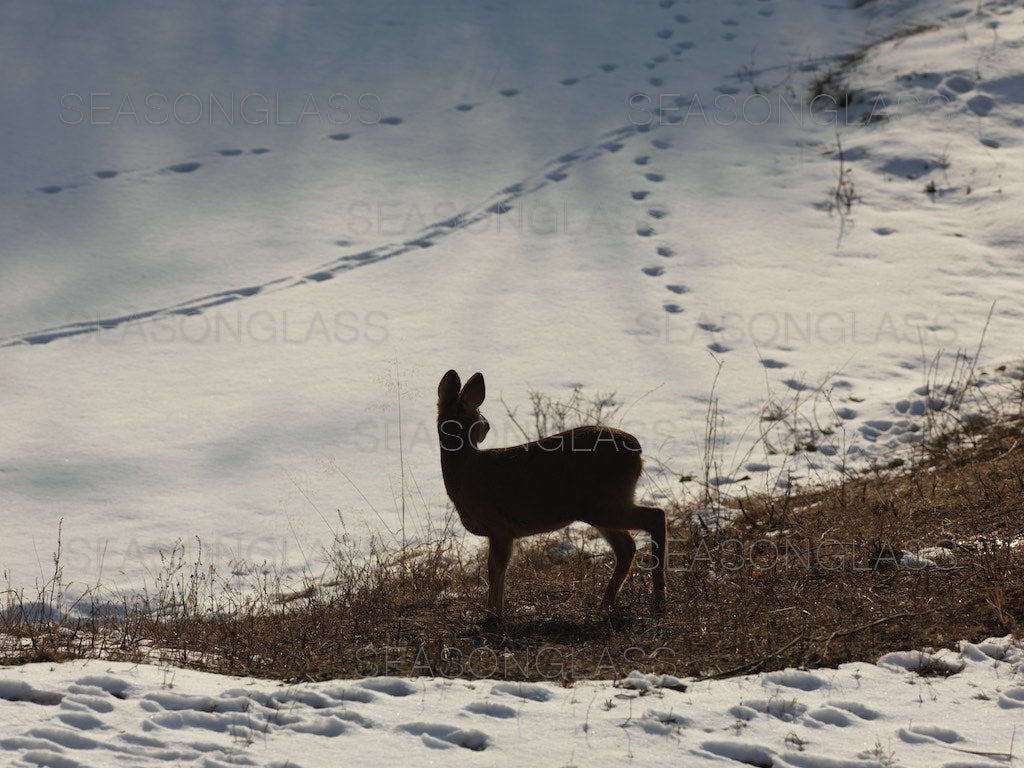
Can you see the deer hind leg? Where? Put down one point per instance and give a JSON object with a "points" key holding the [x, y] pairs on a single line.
{"points": [[624, 547], [652, 520], [499, 552]]}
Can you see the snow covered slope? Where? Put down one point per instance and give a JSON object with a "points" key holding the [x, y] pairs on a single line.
{"points": [[235, 242]]}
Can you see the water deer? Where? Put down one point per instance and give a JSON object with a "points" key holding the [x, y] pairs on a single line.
{"points": [[587, 474]]}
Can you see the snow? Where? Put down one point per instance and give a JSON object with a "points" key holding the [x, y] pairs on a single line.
{"points": [[237, 242], [213, 312], [858, 716]]}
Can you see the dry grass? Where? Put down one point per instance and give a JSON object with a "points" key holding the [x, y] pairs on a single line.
{"points": [[806, 579]]}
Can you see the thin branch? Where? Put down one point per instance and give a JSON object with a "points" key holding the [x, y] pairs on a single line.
{"points": [[756, 663], [875, 623]]}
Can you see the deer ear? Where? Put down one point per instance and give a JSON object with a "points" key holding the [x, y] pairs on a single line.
{"points": [[448, 389], [473, 393]]}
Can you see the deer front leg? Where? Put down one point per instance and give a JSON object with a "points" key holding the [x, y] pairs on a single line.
{"points": [[499, 553]]}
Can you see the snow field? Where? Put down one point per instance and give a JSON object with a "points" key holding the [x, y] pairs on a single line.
{"points": [[858, 716], [614, 212]]}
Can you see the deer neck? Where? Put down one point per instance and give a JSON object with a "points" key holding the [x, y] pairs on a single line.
{"points": [[457, 450]]}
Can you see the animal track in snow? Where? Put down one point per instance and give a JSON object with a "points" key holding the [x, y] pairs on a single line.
{"points": [[191, 728], [924, 734], [740, 752], [981, 105], [490, 709], [1012, 697], [499, 203], [661, 723], [653, 271], [795, 678], [780, 707], [526, 691], [189, 167], [829, 715], [12, 690], [441, 736], [81, 720], [133, 716]]}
